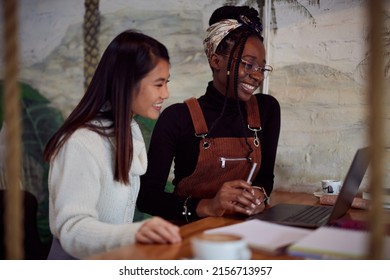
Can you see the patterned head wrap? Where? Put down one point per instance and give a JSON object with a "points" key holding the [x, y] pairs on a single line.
{"points": [[217, 31], [215, 34]]}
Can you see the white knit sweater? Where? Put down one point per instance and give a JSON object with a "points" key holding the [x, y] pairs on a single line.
{"points": [[89, 211]]}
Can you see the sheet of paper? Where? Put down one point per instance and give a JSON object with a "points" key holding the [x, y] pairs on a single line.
{"points": [[265, 236], [335, 243]]}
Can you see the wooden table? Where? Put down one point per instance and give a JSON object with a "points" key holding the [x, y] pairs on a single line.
{"points": [[183, 250]]}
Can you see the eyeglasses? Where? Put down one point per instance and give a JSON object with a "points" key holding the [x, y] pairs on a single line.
{"points": [[251, 68]]}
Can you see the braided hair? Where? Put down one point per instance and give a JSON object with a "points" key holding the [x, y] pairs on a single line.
{"points": [[232, 42]]}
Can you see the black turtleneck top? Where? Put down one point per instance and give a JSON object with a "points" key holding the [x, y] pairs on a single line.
{"points": [[173, 140]]}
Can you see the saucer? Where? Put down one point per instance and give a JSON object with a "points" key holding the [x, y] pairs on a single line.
{"points": [[319, 194]]}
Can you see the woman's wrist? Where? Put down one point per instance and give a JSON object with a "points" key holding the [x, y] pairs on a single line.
{"points": [[265, 199], [202, 209], [189, 207]]}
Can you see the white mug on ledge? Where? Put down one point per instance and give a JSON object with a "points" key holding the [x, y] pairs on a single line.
{"points": [[331, 186]]}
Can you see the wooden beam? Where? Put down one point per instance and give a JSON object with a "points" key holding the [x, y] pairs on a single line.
{"points": [[13, 214]]}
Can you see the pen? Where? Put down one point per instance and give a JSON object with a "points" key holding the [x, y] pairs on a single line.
{"points": [[249, 180]]}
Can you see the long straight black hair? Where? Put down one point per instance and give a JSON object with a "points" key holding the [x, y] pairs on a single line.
{"points": [[126, 61]]}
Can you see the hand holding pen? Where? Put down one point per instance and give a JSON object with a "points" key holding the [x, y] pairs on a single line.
{"points": [[235, 196], [249, 180]]}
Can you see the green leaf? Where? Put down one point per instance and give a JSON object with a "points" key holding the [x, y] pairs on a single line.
{"points": [[39, 122]]}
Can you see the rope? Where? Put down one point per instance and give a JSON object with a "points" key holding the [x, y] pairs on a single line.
{"points": [[91, 31], [13, 214]]}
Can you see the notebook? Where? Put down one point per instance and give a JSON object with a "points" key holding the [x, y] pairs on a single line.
{"points": [[314, 216], [336, 243]]}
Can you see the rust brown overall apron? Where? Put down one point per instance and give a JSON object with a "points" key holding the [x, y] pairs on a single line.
{"points": [[220, 159]]}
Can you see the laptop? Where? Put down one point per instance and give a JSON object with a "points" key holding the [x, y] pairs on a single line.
{"points": [[314, 216]]}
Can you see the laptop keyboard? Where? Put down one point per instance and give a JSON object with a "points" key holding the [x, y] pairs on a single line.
{"points": [[312, 214]]}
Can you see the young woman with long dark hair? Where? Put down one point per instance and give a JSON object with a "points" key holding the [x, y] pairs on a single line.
{"points": [[98, 154]]}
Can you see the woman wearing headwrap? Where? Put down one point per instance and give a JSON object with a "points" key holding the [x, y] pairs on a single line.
{"points": [[217, 139]]}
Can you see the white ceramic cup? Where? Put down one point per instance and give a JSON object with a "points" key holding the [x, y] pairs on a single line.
{"points": [[331, 186], [219, 247]]}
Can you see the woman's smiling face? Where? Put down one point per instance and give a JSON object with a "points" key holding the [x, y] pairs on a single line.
{"points": [[152, 91], [254, 53]]}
